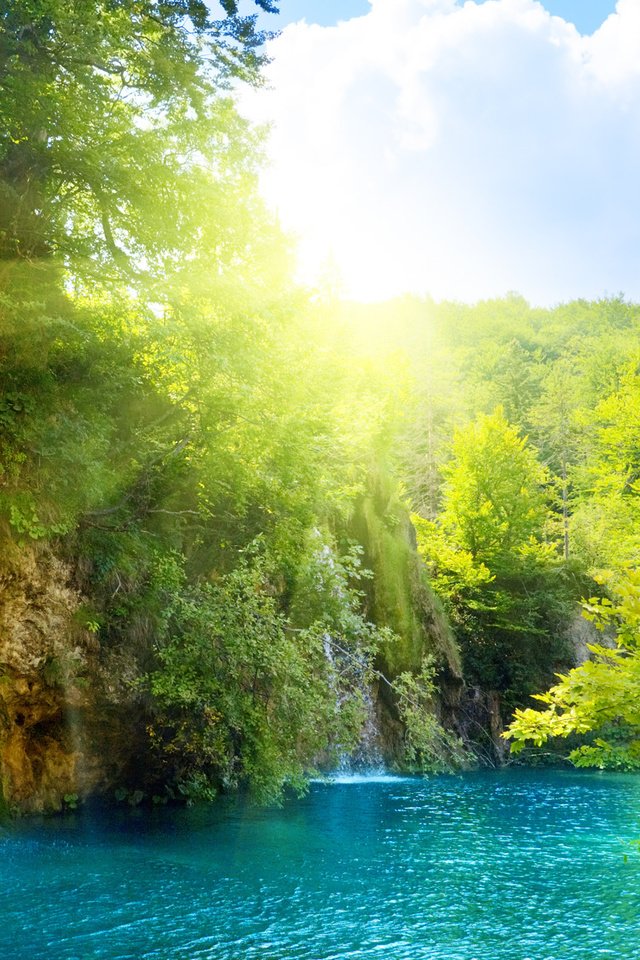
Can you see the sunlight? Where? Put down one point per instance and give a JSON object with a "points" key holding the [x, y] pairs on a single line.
{"points": [[351, 264], [444, 151]]}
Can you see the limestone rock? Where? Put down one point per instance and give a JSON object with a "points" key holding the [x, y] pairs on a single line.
{"points": [[69, 725]]}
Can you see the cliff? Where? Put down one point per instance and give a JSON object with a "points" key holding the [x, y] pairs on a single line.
{"points": [[399, 596], [70, 724]]}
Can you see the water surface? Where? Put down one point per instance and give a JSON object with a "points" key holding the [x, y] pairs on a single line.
{"points": [[489, 866]]}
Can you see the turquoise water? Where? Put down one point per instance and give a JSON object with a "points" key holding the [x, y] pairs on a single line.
{"points": [[487, 866]]}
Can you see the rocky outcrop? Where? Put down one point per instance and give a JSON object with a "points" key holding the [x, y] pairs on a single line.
{"points": [[70, 724], [581, 634], [480, 727]]}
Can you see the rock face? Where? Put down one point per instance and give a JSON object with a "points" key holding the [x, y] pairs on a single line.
{"points": [[72, 724], [474, 715], [479, 723], [581, 634], [69, 725]]}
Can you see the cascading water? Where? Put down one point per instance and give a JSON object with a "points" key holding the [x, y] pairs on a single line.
{"points": [[348, 657], [367, 757]]}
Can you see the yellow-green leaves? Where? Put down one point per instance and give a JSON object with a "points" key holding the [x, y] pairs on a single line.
{"points": [[602, 691], [493, 497]]}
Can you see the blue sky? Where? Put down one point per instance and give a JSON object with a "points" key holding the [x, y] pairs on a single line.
{"points": [[586, 14], [458, 150]]}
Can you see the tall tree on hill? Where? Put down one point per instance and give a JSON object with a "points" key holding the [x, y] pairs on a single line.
{"points": [[111, 116], [503, 583]]}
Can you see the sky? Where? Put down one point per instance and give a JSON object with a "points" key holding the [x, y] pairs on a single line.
{"points": [[458, 150], [587, 15]]}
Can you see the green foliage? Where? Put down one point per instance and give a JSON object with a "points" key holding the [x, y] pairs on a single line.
{"points": [[166, 398], [609, 509], [169, 400], [507, 593], [62, 670], [607, 756], [399, 595], [133, 797], [604, 690], [134, 251], [428, 746], [244, 697], [144, 78], [493, 499]]}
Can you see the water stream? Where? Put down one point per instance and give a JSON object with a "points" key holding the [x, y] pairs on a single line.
{"points": [[367, 754], [516, 865]]}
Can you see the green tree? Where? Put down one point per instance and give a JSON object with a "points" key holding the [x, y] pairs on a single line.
{"points": [[134, 250], [506, 590], [505, 374], [111, 117], [602, 695], [494, 502], [554, 419], [243, 693], [608, 478], [163, 407]]}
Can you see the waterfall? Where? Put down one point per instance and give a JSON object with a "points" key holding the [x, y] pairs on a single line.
{"points": [[349, 669], [366, 757]]}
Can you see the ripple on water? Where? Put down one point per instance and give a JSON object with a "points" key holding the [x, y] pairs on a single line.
{"points": [[491, 866]]}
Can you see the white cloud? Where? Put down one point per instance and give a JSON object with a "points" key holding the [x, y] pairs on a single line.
{"points": [[460, 150]]}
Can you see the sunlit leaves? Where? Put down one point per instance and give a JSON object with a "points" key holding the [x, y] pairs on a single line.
{"points": [[244, 694], [605, 689], [493, 499]]}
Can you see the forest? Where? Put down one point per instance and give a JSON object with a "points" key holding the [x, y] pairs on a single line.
{"points": [[261, 500]]}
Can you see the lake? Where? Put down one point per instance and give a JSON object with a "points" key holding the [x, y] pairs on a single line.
{"points": [[513, 865]]}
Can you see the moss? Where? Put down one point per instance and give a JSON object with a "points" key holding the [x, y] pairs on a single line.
{"points": [[5, 809], [399, 595]]}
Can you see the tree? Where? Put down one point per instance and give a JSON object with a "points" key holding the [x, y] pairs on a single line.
{"points": [[608, 478], [133, 249], [246, 694], [164, 407], [509, 374], [507, 592], [602, 694], [493, 501], [554, 419], [114, 132]]}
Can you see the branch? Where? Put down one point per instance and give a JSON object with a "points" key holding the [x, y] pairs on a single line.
{"points": [[118, 506], [116, 252], [176, 513]]}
